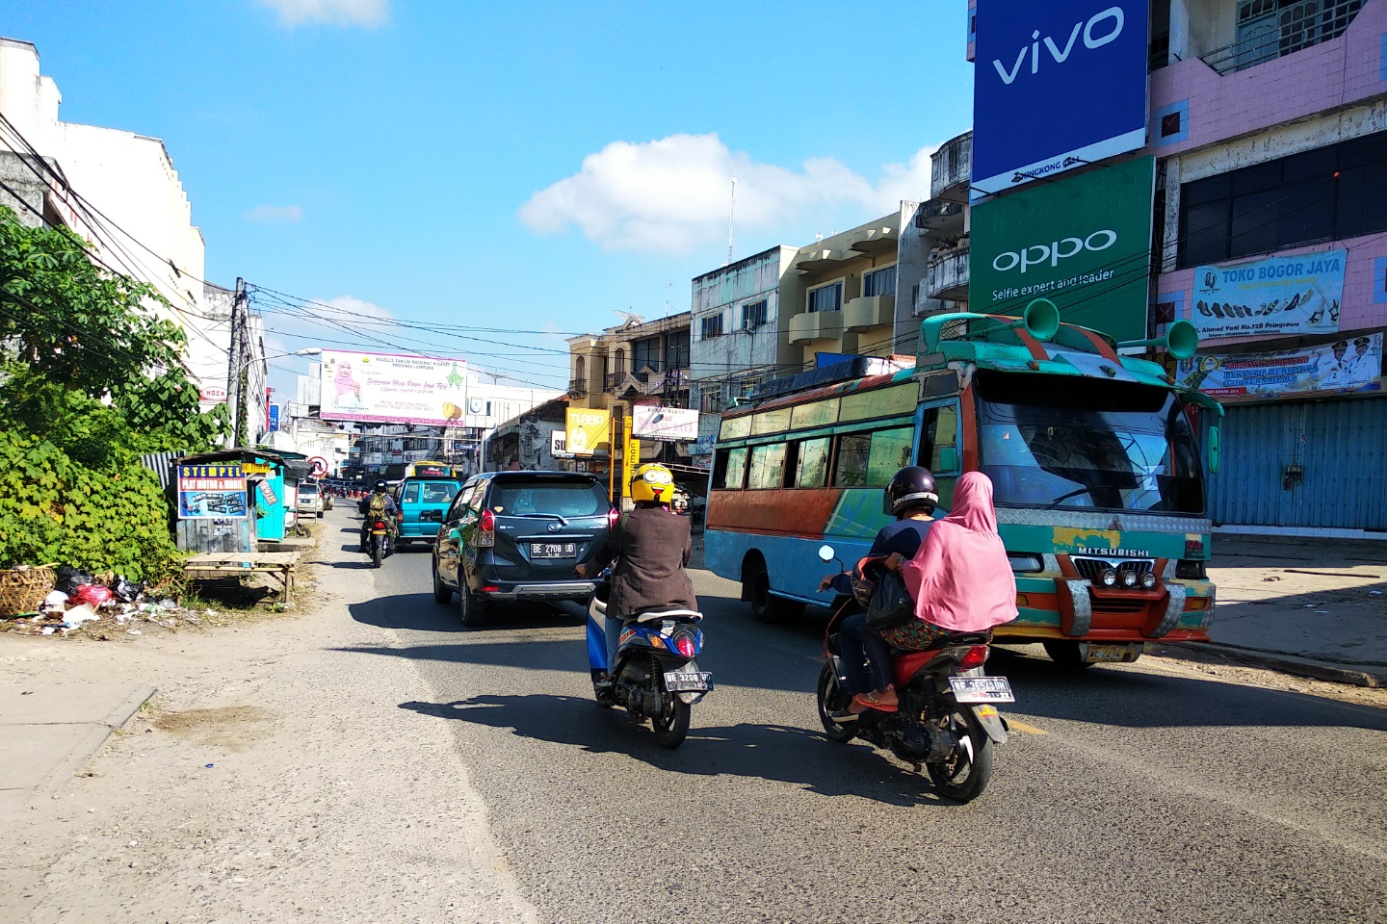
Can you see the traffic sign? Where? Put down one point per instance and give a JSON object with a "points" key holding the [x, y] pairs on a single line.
{"points": [[319, 465]]}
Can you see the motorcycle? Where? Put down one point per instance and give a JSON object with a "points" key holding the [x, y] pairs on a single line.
{"points": [[656, 675], [378, 540], [947, 720]]}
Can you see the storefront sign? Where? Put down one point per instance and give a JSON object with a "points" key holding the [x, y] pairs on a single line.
{"points": [[1082, 242], [1057, 85], [664, 423], [209, 492], [1348, 365], [558, 445], [390, 388], [1278, 295], [587, 430]]}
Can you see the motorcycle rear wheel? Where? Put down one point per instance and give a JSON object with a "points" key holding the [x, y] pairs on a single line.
{"points": [[830, 694], [964, 774], [375, 552], [671, 726]]}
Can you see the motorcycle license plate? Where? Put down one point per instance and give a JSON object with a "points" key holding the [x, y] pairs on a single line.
{"points": [[553, 550], [1109, 653], [685, 681], [982, 689]]}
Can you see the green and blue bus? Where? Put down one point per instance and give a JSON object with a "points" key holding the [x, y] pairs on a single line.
{"points": [[1097, 460]]}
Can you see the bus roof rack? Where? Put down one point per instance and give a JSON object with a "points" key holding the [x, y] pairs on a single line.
{"points": [[855, 368]]}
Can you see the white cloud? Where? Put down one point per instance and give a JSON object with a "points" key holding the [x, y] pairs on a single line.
{"points": [[271, 213], [672, 195], [333, 12]]}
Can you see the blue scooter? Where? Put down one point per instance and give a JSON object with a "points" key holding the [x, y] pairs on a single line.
{"points": [[656, 676]]}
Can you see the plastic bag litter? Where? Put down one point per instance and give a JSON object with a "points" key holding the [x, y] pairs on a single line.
{"points": [[55, 602], [95, 594], [78, 615], [69, 579], [126, 590]]}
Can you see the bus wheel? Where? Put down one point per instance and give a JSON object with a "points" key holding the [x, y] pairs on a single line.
{"points": [[766, 606], [1066, 654]]}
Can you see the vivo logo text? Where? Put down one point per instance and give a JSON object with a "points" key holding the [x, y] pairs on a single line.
{"points": [[1103, 27], [1052, 253]]}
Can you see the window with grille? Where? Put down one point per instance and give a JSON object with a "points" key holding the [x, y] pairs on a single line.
{"points": [[711, 327]]}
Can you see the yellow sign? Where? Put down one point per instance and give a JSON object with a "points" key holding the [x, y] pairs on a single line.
{"points": [[587, 430], [257, 468], [629, 461]]}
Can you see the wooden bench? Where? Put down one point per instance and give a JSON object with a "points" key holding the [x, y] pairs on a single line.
{"points": [[279, 564]]}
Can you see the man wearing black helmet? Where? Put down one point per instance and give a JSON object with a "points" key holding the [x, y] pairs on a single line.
{"points": [[379, 503], [911, 498]]}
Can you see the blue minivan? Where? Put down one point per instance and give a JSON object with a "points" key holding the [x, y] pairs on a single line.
{"points": [[423, 501]]}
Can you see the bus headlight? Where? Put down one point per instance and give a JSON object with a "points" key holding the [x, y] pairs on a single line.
{"points": [[1129, 579], [1109, 578], [1148, 580]]}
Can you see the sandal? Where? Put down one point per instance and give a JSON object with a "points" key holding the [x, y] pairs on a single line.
{"points": [[871, 701]]}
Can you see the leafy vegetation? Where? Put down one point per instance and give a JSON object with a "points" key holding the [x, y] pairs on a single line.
{"points": [[90, 377]]}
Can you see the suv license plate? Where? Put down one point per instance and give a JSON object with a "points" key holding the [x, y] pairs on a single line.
{"points": [[982, 689], [554, 550], [684, 681], [1106, 654]]}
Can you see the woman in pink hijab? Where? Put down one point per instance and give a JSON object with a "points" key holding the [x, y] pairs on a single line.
{"points": [[960, 578]]}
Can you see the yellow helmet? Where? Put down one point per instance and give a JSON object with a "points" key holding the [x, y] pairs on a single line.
{"points": [[652, 482]]}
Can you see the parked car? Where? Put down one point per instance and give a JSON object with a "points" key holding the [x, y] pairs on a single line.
{"points": [[516, 536], [422, 503], [310, 501]]}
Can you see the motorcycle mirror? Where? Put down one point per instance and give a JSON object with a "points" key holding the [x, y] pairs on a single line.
{"points": [[826, 553]]}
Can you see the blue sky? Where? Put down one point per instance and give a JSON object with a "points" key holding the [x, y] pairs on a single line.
{"points": [[522, 166]]}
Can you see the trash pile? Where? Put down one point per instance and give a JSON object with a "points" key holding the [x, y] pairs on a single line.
{"points": [[79, 599]]}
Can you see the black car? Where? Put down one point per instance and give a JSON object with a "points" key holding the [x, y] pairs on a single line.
{"points": [[516, 536]]}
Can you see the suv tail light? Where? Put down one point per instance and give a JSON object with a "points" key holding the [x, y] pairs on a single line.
{"points": [[486, 530], [612, 516]]}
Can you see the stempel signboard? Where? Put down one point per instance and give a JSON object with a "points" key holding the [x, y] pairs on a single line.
{"points": [[1057, 85], [211, 492], [1083, 242], [391, 388]]}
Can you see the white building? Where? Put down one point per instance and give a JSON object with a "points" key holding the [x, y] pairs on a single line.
{"points": [[121, 192]]}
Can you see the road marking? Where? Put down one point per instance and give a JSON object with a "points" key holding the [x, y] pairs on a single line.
{"points": [[1024, 728]]}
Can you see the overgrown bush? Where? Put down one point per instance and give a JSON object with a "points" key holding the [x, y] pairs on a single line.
{"points": [[55, 510]]}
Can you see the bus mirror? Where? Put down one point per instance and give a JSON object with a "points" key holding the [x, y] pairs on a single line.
{"points": [[1213, 450], [825, 553], [948, 459]]}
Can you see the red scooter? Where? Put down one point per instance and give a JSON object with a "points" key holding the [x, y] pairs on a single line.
{"points": [[947, 721]]}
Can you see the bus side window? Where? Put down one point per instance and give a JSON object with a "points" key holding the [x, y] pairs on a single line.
{"points": [[767, 468], [729, 469], [854, 454], [811, 463], [939, 435]]}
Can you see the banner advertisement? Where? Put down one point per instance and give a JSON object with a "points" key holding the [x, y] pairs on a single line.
{"points": [[273, 411], [664, 423], [1347, 365], [1057, 85], [392, 388], [211, 492], [1292, 295], [558, 445], [630, 461], [588, 431], [1082, 242]]}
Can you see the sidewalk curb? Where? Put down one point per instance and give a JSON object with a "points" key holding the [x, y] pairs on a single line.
{"points": [[86, 749], [1302, 667]]}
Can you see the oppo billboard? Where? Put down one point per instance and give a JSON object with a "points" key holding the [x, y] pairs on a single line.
{"points": [[1057, 85], [1084, 242]]}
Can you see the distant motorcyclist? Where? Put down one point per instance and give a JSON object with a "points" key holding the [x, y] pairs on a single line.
{"points": [[380, 505], [651, 545]]}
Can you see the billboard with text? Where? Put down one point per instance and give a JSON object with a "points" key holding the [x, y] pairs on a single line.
{"points": [[393, 388], [1057, 85]]}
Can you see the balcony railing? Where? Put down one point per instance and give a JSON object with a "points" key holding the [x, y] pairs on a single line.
{"points": [[951, 165], [1284, 31], [614, 379], [577, 387], [948, 275], [938, 213]]}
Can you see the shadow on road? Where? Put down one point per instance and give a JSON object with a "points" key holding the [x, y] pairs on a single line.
{"points": [[421, 613], [763, 752]]}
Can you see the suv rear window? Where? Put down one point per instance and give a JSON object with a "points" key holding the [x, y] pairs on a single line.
{"points": [[567, 499]]}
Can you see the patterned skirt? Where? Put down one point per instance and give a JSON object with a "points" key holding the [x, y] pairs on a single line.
{"points": [[916, 635]]}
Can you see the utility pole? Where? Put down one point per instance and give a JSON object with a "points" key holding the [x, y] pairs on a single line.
{"points": [[233, 357]]}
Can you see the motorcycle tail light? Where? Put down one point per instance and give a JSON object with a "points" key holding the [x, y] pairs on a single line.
{"points": [[973, 657], [380, 526], [684, 644], [486, 530]]}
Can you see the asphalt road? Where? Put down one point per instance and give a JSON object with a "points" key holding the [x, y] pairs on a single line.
{"points": [[1127, 793]]}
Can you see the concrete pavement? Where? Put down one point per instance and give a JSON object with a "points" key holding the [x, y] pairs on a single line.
{"points": [[48, 732]]}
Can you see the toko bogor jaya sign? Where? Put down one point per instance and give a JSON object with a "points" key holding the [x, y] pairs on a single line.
{"points": [[1278, 295], [1084, 242], [1057, 84], [393, 388]]}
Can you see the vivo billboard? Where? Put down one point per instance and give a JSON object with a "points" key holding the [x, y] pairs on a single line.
{"points": [[1084, 242], [1057, 85]]}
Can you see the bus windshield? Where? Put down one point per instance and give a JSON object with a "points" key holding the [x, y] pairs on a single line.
{"points": [[1057, 442]]}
